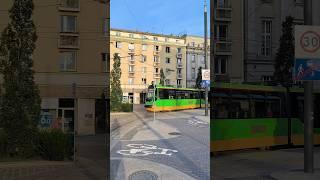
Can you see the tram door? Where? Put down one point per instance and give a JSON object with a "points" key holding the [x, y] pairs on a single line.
{"points": [[66, 115]]}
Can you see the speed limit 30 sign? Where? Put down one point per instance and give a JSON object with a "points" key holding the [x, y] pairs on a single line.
{"points": [[307, 53]]}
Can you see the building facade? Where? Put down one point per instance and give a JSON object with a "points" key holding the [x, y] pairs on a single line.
{"points": [[247, 35], [143, 56], [227, 30], [69, 69], [195, 58]]}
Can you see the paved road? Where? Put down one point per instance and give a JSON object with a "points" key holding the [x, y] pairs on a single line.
{"points": [[175, 146]]}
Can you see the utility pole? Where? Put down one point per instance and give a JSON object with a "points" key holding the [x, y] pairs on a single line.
{"points": [[205, 52], [308, 104]]}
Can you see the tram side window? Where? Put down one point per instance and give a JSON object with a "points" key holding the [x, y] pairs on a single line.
{"points": [[239, 108], [220, 108], [172, 94], [163, 94], [273, 108]]}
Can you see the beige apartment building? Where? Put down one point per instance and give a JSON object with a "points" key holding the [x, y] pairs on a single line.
{"points": [[195, 57], [70, 61], [143, 55]]}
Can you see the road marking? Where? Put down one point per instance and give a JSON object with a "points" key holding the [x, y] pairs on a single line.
{"points": [[197, 123], [145, 150]]}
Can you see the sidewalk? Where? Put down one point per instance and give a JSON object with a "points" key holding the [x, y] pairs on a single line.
{"points": [[277, 165]]}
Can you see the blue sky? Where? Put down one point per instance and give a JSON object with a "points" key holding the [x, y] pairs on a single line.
{"points": [[160, 16]]}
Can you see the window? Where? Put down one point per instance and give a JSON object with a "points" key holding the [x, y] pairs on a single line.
{"points": [[68, 24], [193, 44], [118, 34], [167, 49], [131, 68], [168, 60], [168, 71], [104, 58], [144, 37], [266, 38], [68, 61], [131, 57], [179, 50], [131, 36], [193, 58], [157, 70], [266, 78], [193, 73], [179, 60], [221, 32], [74, 4], [155, 38], [144, 47], [144, 80], [130, 81], [179, 82], [167, 81], [118, 44], [222, 3], [220, 65], [144, 58], [156, 59], [166, 39], [131, 46], [156, 48]]}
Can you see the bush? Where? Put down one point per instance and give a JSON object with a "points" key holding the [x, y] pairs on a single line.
{"points": [[53, 144], [127, 107]]}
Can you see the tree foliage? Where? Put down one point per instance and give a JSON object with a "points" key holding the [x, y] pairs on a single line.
{"points": [[20, 106], [116, 91], [285, 56], [199, 78]]}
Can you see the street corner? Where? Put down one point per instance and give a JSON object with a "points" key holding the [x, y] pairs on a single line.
{"points": [[128, 168], [155, 130]]}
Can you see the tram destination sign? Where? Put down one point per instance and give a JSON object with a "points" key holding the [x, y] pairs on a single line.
{"points": [[307, 53]]}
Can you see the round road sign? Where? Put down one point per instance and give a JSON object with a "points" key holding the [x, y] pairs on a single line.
{"points": [[310, 41]]}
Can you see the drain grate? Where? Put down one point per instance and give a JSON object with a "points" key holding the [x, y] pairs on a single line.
{"points": [[174, 133], [143, 175]]}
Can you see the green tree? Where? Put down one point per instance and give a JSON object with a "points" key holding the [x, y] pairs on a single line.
{"points": [[116, 91], [20, 100], [162, 77], [199, 78], [284, 63]]}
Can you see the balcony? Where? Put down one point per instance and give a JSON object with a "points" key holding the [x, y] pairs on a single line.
{"points": [[223, 48], [132, 62], [179, 76], [69, 5], [131, 74], [179, 55], [222, 14], [156, 52], [179, 65], [69, 42], [131, 51]]}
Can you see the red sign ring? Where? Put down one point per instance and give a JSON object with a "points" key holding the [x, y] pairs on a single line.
{"points": [[301, 41]]}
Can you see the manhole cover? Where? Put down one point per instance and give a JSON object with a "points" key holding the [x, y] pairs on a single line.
{"points": [[174, 133], [143, 175]]}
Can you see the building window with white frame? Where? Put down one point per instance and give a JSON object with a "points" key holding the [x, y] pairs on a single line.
{"points": [[131, 36], [144, 58], [193, 58], [193, 73], [266, 43], [155, 38], [118, 44], [220, 65], [131, 68], [68, 24], [156, 48], [68, 61], [178, 50], [131, 46], [144, 81]]}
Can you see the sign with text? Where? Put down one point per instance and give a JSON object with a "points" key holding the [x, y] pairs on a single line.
{"points": [[205, 74], [307, 53]]}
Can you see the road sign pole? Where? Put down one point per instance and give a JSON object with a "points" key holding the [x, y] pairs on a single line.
{"points": [[205, 53], [308, 105]]}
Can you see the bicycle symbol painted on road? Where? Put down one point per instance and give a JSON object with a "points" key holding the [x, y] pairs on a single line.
{"points": [[194, 122], [145, 150]]}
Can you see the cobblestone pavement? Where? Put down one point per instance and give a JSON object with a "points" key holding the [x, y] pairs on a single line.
{"points": [[175, 146], [265, 165]]}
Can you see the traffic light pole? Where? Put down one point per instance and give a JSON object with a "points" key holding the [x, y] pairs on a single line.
{"points": [[205, 53], [308, 104]]}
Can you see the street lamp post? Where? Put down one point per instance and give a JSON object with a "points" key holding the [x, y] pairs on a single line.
{"points": [[205, 54]]}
